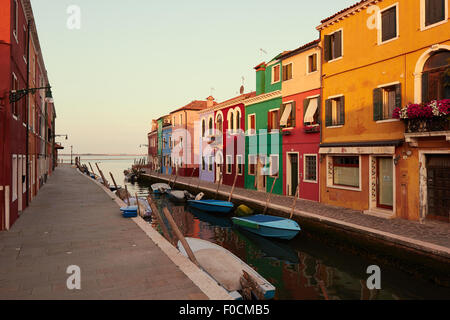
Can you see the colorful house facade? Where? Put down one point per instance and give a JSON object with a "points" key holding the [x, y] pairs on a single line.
{"points": [[263, 147], [153, 146], [299, 120], [166, 151], [379, 56], [206, 156]]}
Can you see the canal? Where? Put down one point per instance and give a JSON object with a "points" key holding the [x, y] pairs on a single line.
{"points": [[304, 268]]}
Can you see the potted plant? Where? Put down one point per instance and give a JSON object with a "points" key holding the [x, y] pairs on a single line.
{"points": [[424, 117]]}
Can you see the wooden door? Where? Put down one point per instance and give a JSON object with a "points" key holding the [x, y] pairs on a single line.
{"points": [[438, 187], [293, 160]]}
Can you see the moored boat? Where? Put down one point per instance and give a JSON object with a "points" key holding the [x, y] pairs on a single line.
{"points": [[215, 206], [129, 211], [160, 187], [269, 226], [179, 196], [226, 268]]}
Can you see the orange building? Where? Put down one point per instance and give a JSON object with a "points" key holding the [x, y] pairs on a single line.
{"points": [[378, 56]]}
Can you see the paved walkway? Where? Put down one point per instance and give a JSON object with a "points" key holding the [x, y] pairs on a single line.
{"points": [[430, 235], [74, 222]]}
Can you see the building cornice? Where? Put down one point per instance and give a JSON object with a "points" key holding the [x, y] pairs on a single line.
{"points": [[263, 97]]}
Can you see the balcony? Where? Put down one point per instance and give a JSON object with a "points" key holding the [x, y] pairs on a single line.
{"points": [[423, 128], [311, 128]]}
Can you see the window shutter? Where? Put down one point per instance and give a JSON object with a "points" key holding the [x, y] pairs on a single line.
{"points": [[398, 95], [427, 13], [342, 110], [328, 113], [337, 44], [305, 107], [425, 87], [377, 104], [293, 122], [269, 121], [327, 48]]}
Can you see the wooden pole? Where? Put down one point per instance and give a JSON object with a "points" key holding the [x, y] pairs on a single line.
{"points": [[127, 194], [324, 291], [92, 169], [269, 196], [218, 184], [180, 236], [234, 185], [294, 202], [114, 181], [160, 220], [174, 180], [105, 183], [192, 175], [137, 203]]}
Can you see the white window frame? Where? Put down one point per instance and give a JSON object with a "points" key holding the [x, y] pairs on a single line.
{"points": [[335, 97], [273, 73], [381, 87], [250, 163], [15, 177], [292, 70], [237, 111], [211, 163], [251, 132], [273, 131], [12, 112], [422, 17], [304, 168], [397, 24], [240, 163], [307, 63], [271, 162], [16, 28], [342, 45], [229, 162], [330, 180]]}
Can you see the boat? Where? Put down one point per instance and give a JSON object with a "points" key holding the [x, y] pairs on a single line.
{"points": [[129, 211], [225, 268], [179, 196], [213, 219], [160, 187], [217, 206], [144, 207], [113, 188], [268, 226]]}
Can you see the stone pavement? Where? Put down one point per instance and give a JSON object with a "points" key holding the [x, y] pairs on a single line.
{"points": [[74, 222], [431, 235]]}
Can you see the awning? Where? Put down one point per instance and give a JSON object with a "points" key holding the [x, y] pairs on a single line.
{"points": [[312, 109], [286, 114]]}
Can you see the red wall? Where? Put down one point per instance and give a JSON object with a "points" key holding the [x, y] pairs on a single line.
{"points": [[303, 143]]}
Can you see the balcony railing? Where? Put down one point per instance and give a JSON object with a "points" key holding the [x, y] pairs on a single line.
{"points": [[427, 125]]}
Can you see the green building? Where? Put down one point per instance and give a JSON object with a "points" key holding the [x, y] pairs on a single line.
{"points": [[263, 145]]}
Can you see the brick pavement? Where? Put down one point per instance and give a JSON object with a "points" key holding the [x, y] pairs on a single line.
{"points": [[73, 222]]}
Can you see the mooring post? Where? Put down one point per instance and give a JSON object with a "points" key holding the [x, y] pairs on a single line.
{"points": [[218, 184], [269, 195], [127, 194], [114, 181], [232, 188], [180, 236], [160, 220], [137, 203], [92, 170], [294, 202], [192, 175], [101, 174]]}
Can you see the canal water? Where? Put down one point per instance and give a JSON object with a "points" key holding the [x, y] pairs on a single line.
{"points": [[298, 267]]}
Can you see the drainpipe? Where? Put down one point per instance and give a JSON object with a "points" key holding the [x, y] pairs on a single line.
{"points": [[27, 116], [320, 109]]}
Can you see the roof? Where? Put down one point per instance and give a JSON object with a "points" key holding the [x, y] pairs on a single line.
{"points": [[235, 100], [194, 105], [304, 47], [362, 3]]}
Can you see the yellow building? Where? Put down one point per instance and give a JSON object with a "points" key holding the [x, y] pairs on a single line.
{"points": [[377, 56]]}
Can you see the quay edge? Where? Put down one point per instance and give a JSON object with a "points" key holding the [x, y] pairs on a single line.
{"points": [[420, 259]]}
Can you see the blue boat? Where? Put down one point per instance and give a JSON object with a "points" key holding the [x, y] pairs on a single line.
{"points": [[217, 206], [269, 226], [129, 212]]}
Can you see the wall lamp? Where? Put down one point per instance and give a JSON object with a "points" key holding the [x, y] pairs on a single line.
{"points": [[16, 95]]}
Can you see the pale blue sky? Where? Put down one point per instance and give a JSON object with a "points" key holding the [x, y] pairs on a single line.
{"points": [[136, 60]]}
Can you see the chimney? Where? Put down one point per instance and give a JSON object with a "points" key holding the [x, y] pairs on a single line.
{"points": [[209, 102], [260, 78]]}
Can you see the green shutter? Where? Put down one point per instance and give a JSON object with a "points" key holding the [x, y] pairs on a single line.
{"points": [[293, 114], [398, 95], [342, 110], [425, 87], [377, 104], [327, 48], [328, 113]]}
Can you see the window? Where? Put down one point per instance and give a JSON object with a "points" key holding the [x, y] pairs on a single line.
{"points": [[251, 164], [25, 47], [435, 11], [436, 77], [240, 165], [210, 163], [273, 120], [312, 63], [333, 46], [15, 18], [173, 121], [385, 100], [335, 111], [203, 127], [389, 28], [210, 126], [237, 115], [252, 124], [287, 72], [14, 86], [276, 73], [287, 112], [310, 114], [14, 178], [181, 119], [203, 164], [310, 168], [230, 118], [229, 164], [346, 171], [274, 165]]}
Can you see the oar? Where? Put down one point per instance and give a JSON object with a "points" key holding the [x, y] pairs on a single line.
{"points": [[180, 236]]}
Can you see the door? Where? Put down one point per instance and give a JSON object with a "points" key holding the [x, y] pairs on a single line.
{"points": [[385, 183], [438, 187], [293, 173]]}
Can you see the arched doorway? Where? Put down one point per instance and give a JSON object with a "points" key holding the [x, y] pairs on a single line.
{"points": [[436, 77]]}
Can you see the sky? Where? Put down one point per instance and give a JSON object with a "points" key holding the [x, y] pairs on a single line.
{"points": [[133, 61]]}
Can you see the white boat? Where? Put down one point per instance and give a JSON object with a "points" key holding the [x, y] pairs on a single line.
{"points": [[160, 187], [225, 268], [144, 207]]}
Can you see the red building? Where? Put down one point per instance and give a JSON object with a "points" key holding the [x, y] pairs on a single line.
{"points": [[300, 120], [26, 119], [153, 147], [229, 145]]}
